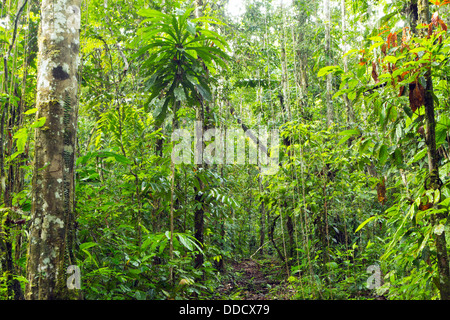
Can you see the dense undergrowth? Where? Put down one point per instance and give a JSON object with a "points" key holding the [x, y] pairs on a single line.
{"points": [[353, 211]]}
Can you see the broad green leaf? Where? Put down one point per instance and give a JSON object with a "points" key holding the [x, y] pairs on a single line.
{"points": [[118, 157], [352, 51], [364, 223], [39, 123], [416, 50], [376, 45], [204, 91], [398, 156], [31, 111], [344, 139], [352, 95], [419, 155], [424, 242], [326, 70], [87, 245], [22, 136], [391, 59], [152, 13], [191, 28], [350, 132], [408, 111], [383, 154], [185, 242], [376, 39]]}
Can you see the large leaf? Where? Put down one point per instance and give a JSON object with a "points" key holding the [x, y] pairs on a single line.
{"points": [[191, 28], [152, 14], [398, 157], [419, 155], [204, 91], [383, 154], [22, 136], [350, 132], [328, 69], [364, 223]]}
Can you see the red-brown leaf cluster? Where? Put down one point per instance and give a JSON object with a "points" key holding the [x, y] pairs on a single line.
{"points": [[374, 72], [381, 191], [416, 96]]}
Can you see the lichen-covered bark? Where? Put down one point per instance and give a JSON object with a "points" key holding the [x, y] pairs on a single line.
{"points": [[53, 180]]}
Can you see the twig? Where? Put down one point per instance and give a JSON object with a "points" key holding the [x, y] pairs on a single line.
{"points": [[249, 133], [262, 247], [2, 121], [11, 45]]}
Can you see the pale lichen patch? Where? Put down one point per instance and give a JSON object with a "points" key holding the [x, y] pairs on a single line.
{"points": [[68, 148]]}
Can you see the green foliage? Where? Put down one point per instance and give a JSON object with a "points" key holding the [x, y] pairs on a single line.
{"points": [[179, 49], [345, 197]]}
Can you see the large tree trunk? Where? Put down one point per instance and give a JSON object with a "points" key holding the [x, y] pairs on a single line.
{"points": [[53, 180], [433, 180]]}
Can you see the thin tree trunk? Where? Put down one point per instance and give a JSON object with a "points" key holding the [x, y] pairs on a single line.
{"points": [[53, 180], [199, 222], [262, 232], [172, 169], [290, 230], [271, 234], [199, 200], [433, 180], [284, 72], [330, 111], [347, 102]]}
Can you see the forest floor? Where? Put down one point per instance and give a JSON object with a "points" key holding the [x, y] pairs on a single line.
{"points": [[252, 279]]}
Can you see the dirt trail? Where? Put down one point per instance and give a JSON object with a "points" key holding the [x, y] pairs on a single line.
{"points": [[253, 281]]}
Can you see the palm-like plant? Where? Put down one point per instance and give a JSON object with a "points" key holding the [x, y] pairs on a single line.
{"points": [[179, 49]]}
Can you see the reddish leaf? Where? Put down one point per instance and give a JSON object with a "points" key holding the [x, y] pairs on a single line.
{"points": [[383, 48], [416, 96], [374, 72], [425, 203], [430, 29], [405, 35], [442, 24], [424, 207], [435, 18], [381, 33], [392, 39]]}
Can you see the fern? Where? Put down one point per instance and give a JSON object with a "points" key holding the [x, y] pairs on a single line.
{"points": [[67, 105]]}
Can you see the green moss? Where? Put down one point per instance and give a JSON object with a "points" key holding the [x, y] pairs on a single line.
{"points": [[46, 107], [51, 50]]}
